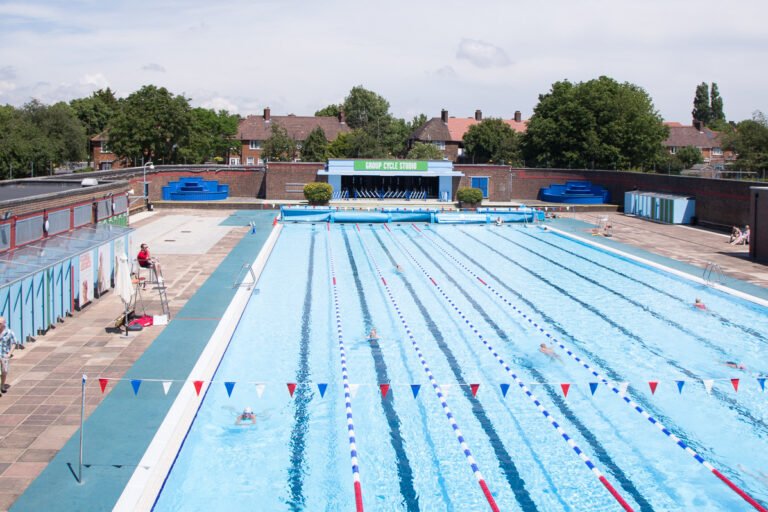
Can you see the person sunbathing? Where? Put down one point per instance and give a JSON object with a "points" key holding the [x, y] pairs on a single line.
{"points": [[744, 238], [735, 234]]}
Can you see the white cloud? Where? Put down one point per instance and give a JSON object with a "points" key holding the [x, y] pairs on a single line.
{"points": [[97, 80], [482, 54], [153, 67], [6, 87], [219, 103]]}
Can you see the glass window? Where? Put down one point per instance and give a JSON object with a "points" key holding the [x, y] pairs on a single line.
{"points": [[255, 144], [717, 151], [673, 150]]}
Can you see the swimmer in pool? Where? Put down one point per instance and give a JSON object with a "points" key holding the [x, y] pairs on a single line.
{"points": [[399, 268], [373, 335], [548, 351], [698, 304], [246, 415], [735, 365]]}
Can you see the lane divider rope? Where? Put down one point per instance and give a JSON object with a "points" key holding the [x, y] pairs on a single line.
{"points": [[560, 430], [634, 405], [435, 386]]}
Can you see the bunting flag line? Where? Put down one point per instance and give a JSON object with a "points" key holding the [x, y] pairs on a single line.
{"points": [[230, 386], [761, 381], [680, 384], [565, 387], [445, 389], [167, 386], [103, 384], [653, 385], [623, 386], [291, 388], [708, 384], [198, 386], [593, 387], [504, 389], [415, 389], [135, 383], [321, 388], [735, 384], [260, 389], [353, 390], [384, 390], [474, 388]]}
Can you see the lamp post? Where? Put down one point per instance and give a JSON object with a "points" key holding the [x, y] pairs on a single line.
{"points": [[151, 166]]}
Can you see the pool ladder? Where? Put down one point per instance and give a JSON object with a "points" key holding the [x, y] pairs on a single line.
{"points": [[241, 275], [713, 273]]}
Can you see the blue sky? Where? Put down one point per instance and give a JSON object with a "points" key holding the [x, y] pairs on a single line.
{"points": [[298, 56]]}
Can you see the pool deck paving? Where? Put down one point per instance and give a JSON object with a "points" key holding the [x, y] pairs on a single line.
{"points": [[40, 415]]}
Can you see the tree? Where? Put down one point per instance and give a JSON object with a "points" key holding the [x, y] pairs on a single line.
{"points": [[63, 133], [211, 135], [600, 123], [315, 147], [356, 144], [749, 139], [365, 109], [329, 111], [716, 104], [95, 111], [689, 156], [279, 147], [492, 140], [701, 108], [151, 124], [422, 151]]}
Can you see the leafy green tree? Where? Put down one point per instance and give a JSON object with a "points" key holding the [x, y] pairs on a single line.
{"points": [[151, 124], [95, 111], [701, 107], [600, 123], [315, 147], [356, 144], [279, 147], [365, 109], [63, 132], [329, 111], [716, 105], [211, 135], [689, 156], [749, 139], [423, 151], [318, 192], [472, 196], [492, 140]]}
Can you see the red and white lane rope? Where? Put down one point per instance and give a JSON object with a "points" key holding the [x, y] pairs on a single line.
{"points": [[679, 442], [567, 438], [345, 381], [435, 386]]}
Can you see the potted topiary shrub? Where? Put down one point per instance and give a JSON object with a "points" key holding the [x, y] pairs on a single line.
{"points": [[469, 197], [318, 193]]}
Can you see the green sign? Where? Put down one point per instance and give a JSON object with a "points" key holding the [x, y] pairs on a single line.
{"points": [[120, 219], [390, 165]]}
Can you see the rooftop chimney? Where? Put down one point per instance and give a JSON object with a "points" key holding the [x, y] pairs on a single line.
{"points": [[444, 115], [267, 114], [478, 115], [518, 116], [342, 117]]}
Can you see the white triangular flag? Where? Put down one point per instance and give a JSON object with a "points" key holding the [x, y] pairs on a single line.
{"points": [[623, 386], [260, 389], [353, 390], [708, 385], [166, 386], [445, 389]]}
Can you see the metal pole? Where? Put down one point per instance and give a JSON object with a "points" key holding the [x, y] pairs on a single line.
{"points": [[82, 415]]}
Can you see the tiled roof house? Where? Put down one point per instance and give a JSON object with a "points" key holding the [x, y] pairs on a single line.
{"points": [[254, 130], [447, 133], [102, 158], [699, 136]]}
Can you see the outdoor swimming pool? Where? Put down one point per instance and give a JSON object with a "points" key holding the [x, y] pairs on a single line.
{"points": [[471, 306]]}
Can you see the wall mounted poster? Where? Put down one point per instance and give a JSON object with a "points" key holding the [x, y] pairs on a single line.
{"points": [[85, 289], [103, 272]]}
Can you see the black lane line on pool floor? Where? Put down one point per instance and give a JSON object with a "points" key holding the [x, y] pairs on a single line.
{"points": [[756, 423], [506, 464], [404, 470], [726, 321], [600, 452], [302, 397], [598, 361]]}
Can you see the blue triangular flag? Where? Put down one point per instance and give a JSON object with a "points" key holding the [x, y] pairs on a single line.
{"points": [[680, 384], [135, 383], [593, 387], [762, 383], [504, 389], [415, 389], [230, 386], [322, 388]]}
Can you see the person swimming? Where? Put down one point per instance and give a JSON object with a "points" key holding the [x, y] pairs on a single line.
{"points": [[735, 365], [499, 221], [246, 415], [373, 335], [698, 304], [399, 268], [548, 351]]}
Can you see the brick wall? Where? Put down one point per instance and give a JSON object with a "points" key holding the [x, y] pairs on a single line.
{"points": [[242, 182], [286, 180], [499, 180]]}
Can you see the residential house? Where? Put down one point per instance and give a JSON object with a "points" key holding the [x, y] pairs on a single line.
{"points": [[254, 130], [699, 136], [447, 133], [101, 157]]}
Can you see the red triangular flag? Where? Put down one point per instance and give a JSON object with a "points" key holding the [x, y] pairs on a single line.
{"points": [[653, 385], [735, 383], [474, 387], [103, 384], [384, 389], [565, 387], [291, 388], [198, 385]]}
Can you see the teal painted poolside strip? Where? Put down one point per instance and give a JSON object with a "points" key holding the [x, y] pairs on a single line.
{"points": [[119, 431], [578, 229]]}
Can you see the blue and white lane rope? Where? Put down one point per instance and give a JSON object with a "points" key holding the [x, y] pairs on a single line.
{"points": [[345, 381], [568, 439], [435, 387], [682, 444]]}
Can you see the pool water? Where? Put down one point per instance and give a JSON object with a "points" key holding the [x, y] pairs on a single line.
{"points": [[458, 286]]}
